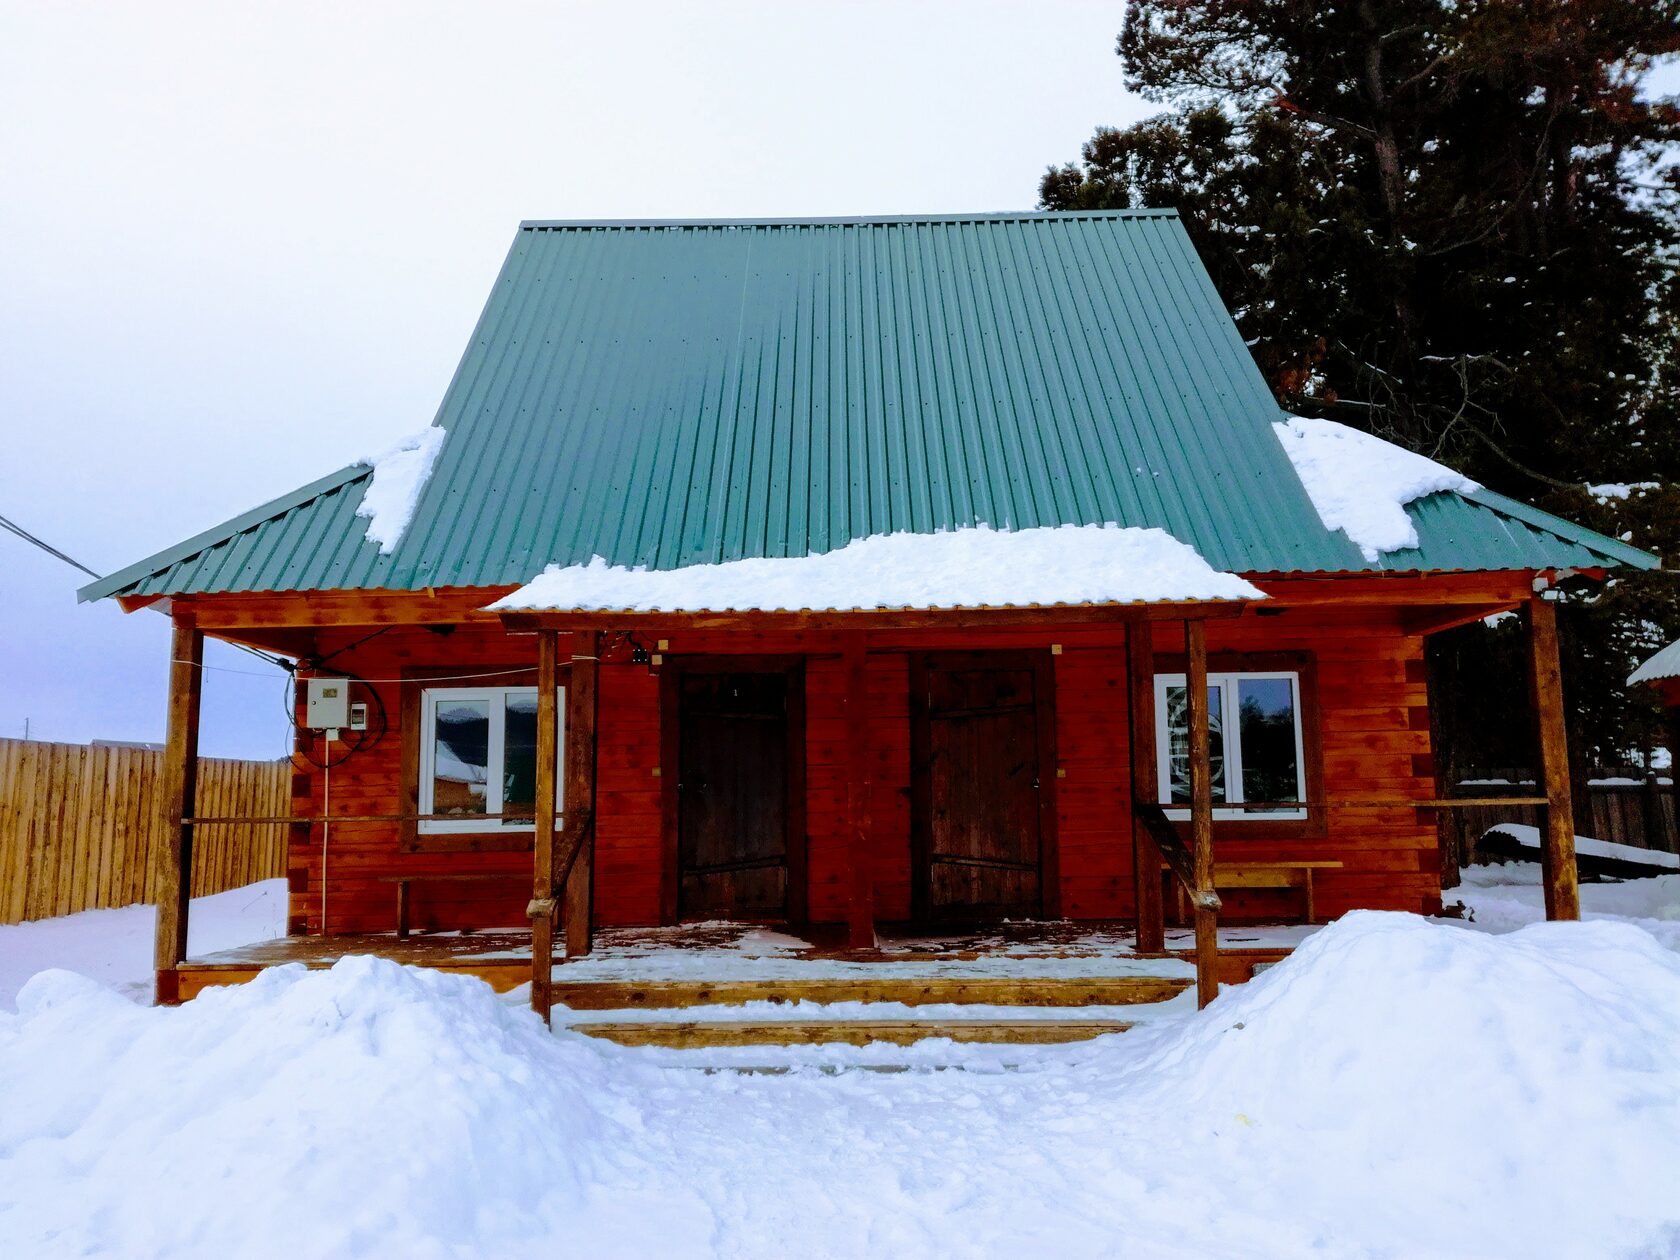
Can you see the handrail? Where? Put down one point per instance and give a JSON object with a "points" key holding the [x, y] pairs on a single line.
{"points": [[1174, 853], [584, 823]]}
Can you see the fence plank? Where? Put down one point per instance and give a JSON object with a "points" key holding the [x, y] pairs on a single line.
{"points": [[78, 825]]}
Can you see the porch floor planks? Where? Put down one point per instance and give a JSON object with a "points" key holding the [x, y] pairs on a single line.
{"points": [[711, 1035], [597, 995], [1021, 965]]}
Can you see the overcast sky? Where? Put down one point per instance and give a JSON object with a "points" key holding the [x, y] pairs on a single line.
{"points": [[242, 245]]}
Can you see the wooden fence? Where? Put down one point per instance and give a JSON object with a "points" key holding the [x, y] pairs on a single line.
{"points": [[1637, 812], [78, 825]]}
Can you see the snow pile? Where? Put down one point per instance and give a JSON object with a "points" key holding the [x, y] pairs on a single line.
{"points": [[1509, 1095], [1397, 1087], [1361, 484], [399, 475], [373, 1109], [966, 568], [1665, 664]]}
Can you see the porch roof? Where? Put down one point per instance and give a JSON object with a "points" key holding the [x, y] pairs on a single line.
{"points": [[665, 394]]}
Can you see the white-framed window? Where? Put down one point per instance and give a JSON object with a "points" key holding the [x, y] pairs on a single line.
{"points": [[478, 757], [1255, 747]]}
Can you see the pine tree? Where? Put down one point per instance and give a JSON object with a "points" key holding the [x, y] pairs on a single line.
{"points": [[1456, 224]]}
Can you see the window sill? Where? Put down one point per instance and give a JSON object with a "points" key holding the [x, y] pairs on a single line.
{"points": [[1182, 814]]}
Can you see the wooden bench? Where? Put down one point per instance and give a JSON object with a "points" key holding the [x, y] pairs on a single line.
{"points": [[403, 881], [1287, 873]]}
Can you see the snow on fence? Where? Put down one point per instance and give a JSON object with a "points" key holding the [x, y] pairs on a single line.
{"points": [[78, 826]]}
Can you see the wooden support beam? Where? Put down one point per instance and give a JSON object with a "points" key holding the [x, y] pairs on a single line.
{"points": [[1673, 728], [1146, 854], [860, 916], [581, 692], [1201, 812], [1429, 592], [1428, 621], [1557, 845], [542, 908], [173, 857]]}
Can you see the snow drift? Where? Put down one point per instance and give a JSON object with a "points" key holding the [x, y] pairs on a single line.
{"points": [[979, 567], [1397, 1087], [400, 473], [1361, 484]]}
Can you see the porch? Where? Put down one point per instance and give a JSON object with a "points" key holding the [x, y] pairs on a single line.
{"points": [[1074, 695], [706, 985]]}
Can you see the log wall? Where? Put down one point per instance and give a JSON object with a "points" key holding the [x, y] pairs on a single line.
{"points": [[1375, 747], [78, 825]]}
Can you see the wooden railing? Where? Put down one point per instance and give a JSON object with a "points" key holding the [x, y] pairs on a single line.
{"points": [[1175, 854], [1182, 863]]}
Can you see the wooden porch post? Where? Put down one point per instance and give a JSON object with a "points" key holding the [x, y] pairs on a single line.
{"points": [[580, 790], [542, 908], [1557, 846], [1671, 698], [172, 860], [860, 916], [1201, 809], [1146, 854]]}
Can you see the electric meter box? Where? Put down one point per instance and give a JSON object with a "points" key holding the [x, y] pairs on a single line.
{"points": [[328, 706]]}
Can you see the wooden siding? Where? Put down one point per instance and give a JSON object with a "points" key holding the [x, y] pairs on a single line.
{"points": [[1375, 747], [78, 826]]}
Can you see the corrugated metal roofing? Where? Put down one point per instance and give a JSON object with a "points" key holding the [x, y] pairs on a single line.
{"points": [[1664, 665], [672, 393]]}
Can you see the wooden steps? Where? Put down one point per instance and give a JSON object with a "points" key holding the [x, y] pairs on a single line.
{"points": [[715, 1034], [923, 990]]}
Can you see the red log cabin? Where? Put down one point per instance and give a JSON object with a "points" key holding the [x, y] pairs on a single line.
{"points": [[910, 571]]}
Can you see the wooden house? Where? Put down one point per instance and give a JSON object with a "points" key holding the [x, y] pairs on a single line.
{"points": [[1662, 674], [659, 410]]}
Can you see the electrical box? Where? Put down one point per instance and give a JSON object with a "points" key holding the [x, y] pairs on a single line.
{"points": [[358, 716], [328, 707]]}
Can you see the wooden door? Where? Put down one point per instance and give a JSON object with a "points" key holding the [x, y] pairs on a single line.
{"points": [[735, 813], [983, 781]]}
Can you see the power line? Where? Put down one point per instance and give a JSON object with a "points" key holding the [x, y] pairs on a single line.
{"points": [[13, 527], [21, 532]]}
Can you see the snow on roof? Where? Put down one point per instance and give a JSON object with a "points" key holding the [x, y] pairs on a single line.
{"points": [[1361, 484], [979, 567], [1665, 664], [399, 475]]}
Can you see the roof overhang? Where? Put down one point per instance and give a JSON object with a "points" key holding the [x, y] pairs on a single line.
{"points": [[531, 620]]}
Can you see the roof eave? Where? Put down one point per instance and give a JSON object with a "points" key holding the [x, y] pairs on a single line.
{"points": [[112, 583], [1612, 549]]}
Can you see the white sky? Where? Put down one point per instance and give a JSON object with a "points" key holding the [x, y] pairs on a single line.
{"points": [[242, 245]]}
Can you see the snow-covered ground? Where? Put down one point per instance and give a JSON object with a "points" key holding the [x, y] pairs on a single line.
{"points": [[1398, 1087], [1505, 897], [115, 946]]}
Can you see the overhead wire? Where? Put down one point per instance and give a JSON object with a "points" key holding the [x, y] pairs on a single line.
{"points": [[12, 527]]}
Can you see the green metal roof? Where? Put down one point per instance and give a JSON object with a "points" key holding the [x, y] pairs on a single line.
{"points": [[672, 393]]}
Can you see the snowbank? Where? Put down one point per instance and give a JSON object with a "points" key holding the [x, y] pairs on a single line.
{"points": [[372, 1110], [965, 568], [399, 475], [115, 946], [1361, 484], [1665, 664], [1397, 1087]]}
